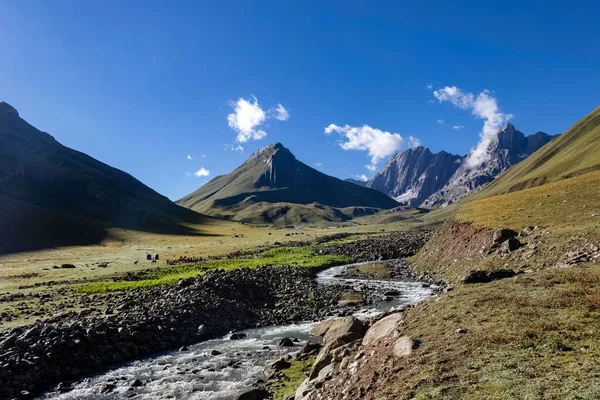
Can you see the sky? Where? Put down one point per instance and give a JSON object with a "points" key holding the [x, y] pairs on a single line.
{"points": [[176, 93]]}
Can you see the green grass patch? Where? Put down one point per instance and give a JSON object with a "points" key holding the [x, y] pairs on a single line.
{"points": [[373, 270], [279, 256], [294, 376]]}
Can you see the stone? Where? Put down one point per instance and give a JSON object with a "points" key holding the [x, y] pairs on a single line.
{"points": [[137, 383], [502, 235], [348, 327], [215, 353], [255, 394], [303, 390], [405, 345], [310, 348], [274, 367], [511, 244], [485, 276], [238, 336], [286, 342], [382, 329]]}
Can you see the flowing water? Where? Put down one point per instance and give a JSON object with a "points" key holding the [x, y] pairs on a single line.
{"points": [[220, 369]]}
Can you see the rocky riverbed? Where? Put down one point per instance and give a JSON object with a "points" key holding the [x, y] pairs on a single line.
{"points": [[138, 323], [384, 247], [226, 367], [155, 320]]}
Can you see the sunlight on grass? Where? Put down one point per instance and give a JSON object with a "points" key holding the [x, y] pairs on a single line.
{"points": [[567, 203], [279, 256], [294, 376]]}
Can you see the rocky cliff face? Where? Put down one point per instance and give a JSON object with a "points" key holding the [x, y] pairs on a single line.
{"points": [[419, 177], [511, 147], [415, 174]]}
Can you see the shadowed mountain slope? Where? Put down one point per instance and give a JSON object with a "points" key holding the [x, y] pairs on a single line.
{"points": [[53, 196]]}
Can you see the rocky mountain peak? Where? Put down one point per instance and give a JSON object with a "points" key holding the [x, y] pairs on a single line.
{"points": [[7, 108]]}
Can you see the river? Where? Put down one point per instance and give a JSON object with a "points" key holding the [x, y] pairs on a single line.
{"points": [[221, 369]]}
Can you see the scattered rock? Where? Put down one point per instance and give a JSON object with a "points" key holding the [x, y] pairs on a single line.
{"points": [[346, 328], [485, 276], [509, 245], [254, 394], [67, 266], [286, 342], [238, 336], [405, 345], [502, 235], [382, 329]]}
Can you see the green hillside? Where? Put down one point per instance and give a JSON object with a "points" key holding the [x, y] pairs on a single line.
{"points": [[273, 186], [575, 152]]}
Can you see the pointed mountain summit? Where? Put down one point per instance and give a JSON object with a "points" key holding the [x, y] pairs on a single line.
{"points": [[54, 196], [418, 177], [510, 148], [273, 186], [415, 174]]}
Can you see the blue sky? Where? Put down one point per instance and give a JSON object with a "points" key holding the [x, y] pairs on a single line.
{"points": [[141, 85]]}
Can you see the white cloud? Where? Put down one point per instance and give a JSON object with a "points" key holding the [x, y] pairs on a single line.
{"points": [[362, 177], [440, 121], [430, 86], [280, 113], [190, 157], [230, 147], [203, 155], [458, 127], [483, 106], [248, 116], [371, 167], [202, 172], [379, 144], [188, 174], [318, 164]]}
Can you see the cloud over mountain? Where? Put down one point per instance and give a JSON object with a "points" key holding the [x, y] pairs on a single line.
{"points": [[483, 106], [379, 144], [248, 117]]}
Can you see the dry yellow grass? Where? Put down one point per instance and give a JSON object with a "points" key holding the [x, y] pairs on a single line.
{"points": [[564, 204]]}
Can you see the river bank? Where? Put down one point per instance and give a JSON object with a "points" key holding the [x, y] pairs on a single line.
{"points": [[138, 323], [222, 368]]}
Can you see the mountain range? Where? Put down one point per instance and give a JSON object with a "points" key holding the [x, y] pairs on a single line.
{"points": [[273, 186], [52, 195], [419, 177]]}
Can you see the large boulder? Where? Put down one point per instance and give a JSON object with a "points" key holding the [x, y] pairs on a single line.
{"points": [[346, 328], [254, 394], [502, 235], [273, 368], [511, 244], [382, 329], [405, 345], [485, 276], [303, 390]]}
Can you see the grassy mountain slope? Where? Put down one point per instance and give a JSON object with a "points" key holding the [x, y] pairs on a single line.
{"points": [[534, 336], [53, 195], [575, 152], [273, 186]]}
